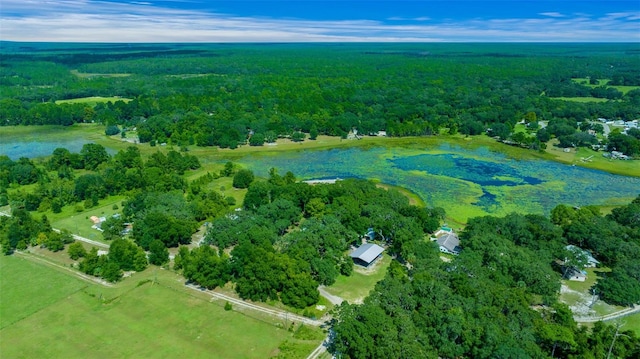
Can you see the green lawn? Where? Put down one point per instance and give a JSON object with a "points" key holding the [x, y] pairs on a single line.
{"points": [[592, 276], [27, 287], [357, 286], [54, 315], [79, 222]]}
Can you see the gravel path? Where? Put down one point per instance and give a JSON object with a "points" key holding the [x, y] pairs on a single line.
{"points": [[270, 311]]}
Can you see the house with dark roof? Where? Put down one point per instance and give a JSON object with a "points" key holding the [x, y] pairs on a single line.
{"points": [[366, 254], [449, 243]]}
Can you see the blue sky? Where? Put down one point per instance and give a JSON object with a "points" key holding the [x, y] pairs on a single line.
{"points": [[320, 21]]}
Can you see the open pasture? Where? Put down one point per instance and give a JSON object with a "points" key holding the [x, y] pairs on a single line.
{"points": [[27, 288], [93, 100], [149, 315]]}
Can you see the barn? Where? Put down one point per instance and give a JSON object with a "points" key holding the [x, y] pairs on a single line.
{"points": [[366, 254]]}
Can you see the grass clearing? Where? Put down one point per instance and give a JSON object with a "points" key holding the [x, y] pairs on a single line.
{"points": [[79, 222], [151, 314], [93, 100], [356, 287], [581, 99], [603, 82], [85, 75], [592, 277], [578, 297]]}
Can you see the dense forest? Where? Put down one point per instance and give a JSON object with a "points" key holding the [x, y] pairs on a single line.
{"points": [[497, 298], [231, 95]]}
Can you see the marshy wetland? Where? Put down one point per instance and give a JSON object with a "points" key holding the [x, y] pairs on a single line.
{"points": [[465, 182]]}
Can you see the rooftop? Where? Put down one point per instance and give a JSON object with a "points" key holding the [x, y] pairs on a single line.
{"points": [[367, 252]]}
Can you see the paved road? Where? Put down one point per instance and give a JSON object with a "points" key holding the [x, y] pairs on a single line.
{"points": [[269, 311]]}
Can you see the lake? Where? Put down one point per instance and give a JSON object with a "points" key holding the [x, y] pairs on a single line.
{"points": [[32, 149], [466, 183]]}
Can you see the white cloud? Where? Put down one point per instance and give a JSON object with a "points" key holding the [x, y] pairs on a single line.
{"points": [[551, 14], [140, 21]]}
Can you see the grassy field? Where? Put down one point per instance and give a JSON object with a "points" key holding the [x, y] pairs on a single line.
{"points": [[581, 99], [603, 82], [46, 313], [27, 288], [356, 287], [85, 75], [93, 100]]}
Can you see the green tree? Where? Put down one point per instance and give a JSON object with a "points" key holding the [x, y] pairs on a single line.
{"points": [[140, 260], [243, 178], [76, 250], [158, 253], [111, 272], [313, 132], [229, 169], [256, 140], [298, 136], [112, 227], [93, 155]]}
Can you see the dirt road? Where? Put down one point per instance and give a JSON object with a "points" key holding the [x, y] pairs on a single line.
{"points": [[269, 311]]}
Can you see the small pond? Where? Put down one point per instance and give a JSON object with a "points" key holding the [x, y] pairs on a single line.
{"points": [[466, 183]]}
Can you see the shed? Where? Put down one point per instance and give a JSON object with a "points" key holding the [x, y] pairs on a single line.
{"points": [[366, 254]]}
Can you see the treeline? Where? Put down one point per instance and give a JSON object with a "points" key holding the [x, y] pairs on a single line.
{"points": [[498, 297], [292, 236], [229, 97], [22, 230]]}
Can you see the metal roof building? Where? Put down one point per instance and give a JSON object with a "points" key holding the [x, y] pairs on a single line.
{"points": [[366, 254]]}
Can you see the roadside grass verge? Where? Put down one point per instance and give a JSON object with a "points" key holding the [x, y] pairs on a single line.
{"points": [[356, 287], [27, 288], [632, 322], [151, 314]]}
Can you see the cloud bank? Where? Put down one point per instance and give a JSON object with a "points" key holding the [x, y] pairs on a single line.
{"points": [[142, 21]]}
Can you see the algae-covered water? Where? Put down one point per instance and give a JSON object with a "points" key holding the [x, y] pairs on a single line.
{"points": [[466, 183]]}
